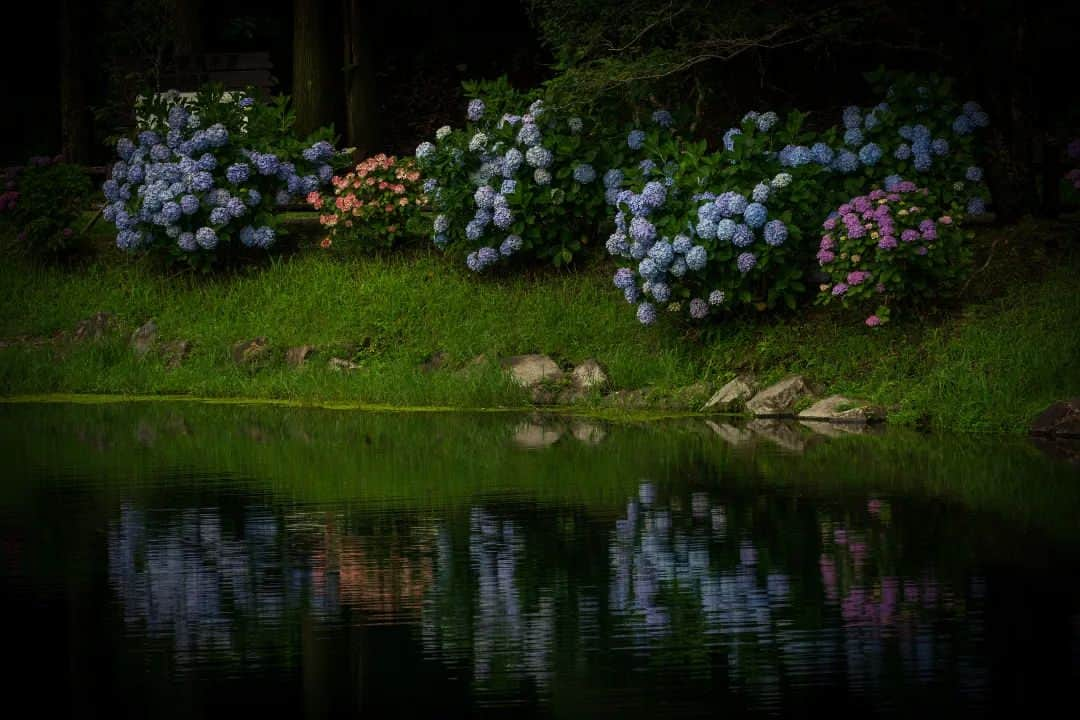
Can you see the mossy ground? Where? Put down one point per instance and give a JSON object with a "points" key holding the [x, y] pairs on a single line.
{"points": [[987, 363]]}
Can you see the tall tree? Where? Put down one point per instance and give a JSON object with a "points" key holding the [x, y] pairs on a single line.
{"points": [[73, 110], [361, 118], [313, 79]]}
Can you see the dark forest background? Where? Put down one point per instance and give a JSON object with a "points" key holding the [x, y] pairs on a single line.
{"points": [[386, 74]]}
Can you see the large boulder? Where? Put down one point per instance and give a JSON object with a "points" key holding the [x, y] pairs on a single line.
{"points": [[143, 339], [732, 434], [779, 400], [732, 397], [174, 353], [588, 376], [1062, 419], [531, 370], [839, 409], [296, 356], [783, 434]]}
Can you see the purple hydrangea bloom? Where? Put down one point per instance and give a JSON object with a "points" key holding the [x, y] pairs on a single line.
{"points": [[746, 262], [654, 194], [171, 212], [642, 230], [660, 292], [148, 139], [238, 173], [236, 207], [839, 288], [624, 278], [743, 236], [219, 216], [510, 245], [503, 218], [186, 241], [698, 308]]}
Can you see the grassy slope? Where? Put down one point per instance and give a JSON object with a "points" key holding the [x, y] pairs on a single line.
{"points": [[989, 365]]}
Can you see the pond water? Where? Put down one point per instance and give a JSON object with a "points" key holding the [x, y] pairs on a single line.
{"points": [[181, 559]]}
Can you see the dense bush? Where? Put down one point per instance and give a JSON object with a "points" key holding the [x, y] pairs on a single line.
{"points": [[43, 203], [711, 231], [374, 204], [513, 185], [889, 247], [202, 178]]}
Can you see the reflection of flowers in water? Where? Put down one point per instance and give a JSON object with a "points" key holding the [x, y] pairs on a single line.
{"points": [[508, 639], [188, 582]]}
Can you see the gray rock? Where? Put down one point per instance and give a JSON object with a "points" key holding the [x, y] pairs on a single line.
{"points": [[588, 376], [731, 434], [174, 353], [250, 351], [1062, 419], [531, 370], [733, 396], [533, 436], [779, 400], [588, 433], [839, 409], [840, 429], [342, 365], [297, 356], [143, 339], [94, 328]]}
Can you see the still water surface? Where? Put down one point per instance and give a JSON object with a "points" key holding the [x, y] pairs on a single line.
{"points": [[190, 560]]}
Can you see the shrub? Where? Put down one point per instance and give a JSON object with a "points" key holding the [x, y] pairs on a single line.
{"points": [[373, 204], [511, 186], [202, 178], [889, 248], [43, 203]]}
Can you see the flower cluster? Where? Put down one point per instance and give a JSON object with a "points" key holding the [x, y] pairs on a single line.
{"points": [[371, 203], [197, 187], [512, 184], [887, 247]]}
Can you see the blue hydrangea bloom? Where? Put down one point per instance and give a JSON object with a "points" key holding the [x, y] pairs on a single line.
{"points": [[963, 125], [186, 241], [246, 102], [681, 244], [441, 224], [217, 135], [760, 193], [264, 236], [171, 212], [746, 262], [638, 249], [173, 138], [219, 216], [974, 174], [795, 156], [529, 135], [247, 236], [743, 236], [202, 181], [429, 185], [846, 162], [663, 118], [729, 138], [326, 173], [124, 148], [206, 237], [706, 229], [940, 146], [617, 244], [678, 267], [980, 119], [870, 121], [725, 230], [485, 197], [852, 117], [776, 233], [766, 121], [755, 215], [236, 207], [821, 153], [716, 297], [508, 187], [647, 167], [903, 152], [923, 162], [853, 137], [584, 174], [441, 240], [631, 294], [646, 313], [423, 151], [654, 194], [160, 153], [613, 178], [642, 230], [976, 206], [649, 269], [662, 253], [696, 258], [503, 218], [510, 245], [636, 139], [148, 138], [870, 154], [542, 177], [474, 229], [238, 173], [892, 181], [538, 157], [206, 162], [254, 197], [660, 292]]}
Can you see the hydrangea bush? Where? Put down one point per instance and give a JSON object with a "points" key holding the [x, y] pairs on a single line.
{"points": [[888, 249], [704, 232], [519, 183], [42, 203], [374, 204], [201, 179]]}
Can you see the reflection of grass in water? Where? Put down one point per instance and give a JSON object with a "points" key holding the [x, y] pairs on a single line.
{"points": [[438, 460]]}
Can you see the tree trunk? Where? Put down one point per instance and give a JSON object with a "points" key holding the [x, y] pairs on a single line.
{"points": [[188, 39], [313, 84], [361, 116], [73, 123]]}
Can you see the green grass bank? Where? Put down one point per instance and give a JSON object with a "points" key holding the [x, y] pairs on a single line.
{"points": [[988, 363]]}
